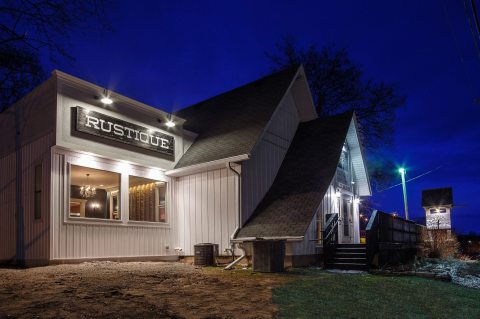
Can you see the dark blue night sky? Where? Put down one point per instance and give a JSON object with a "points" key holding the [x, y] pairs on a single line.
{"points": [[171, 54]]}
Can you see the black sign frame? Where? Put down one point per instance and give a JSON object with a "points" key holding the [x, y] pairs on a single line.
{"points": [[108, 127]]}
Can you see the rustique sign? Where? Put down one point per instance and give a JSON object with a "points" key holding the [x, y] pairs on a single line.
{"points": [[105, 126]]}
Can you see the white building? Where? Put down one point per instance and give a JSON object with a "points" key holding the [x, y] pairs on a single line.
{"points": [[254, 162], [437, 204]]}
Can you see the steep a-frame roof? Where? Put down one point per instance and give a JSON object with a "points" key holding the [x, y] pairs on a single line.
{"points": [[437, 197], [230, 124], [302, 180]]}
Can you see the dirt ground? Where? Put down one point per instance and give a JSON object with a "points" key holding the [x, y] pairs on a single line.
{"points": [[135, 290]]}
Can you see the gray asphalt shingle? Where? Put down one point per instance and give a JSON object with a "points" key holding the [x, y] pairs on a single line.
{"points": [[302, 180], [231, 123], [437, 197]]}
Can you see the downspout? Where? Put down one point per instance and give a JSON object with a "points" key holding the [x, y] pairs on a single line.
{"points": [[236, 261], [237, 229], [239, 221]]}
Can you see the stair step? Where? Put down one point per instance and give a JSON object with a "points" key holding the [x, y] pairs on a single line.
{"points": [[352, 246], [350, 255], [347, 266], [351, 250], [350, 260]]}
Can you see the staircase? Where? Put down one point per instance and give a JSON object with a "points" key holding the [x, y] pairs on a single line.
{"points": [[348, 257]]}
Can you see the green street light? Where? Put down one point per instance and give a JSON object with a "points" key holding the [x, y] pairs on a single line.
{"points": [[402, 171]]}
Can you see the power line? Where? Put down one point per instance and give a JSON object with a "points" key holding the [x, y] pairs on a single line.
{"points": [[411, 179], [474, 12], [465, 69], [470, 26]]}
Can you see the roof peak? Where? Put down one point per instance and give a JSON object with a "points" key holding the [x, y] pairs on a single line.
{"points": [[292, 69], [234, 119]]}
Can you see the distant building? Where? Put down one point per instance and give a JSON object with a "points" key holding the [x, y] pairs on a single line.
{"points": [[437, 204]]}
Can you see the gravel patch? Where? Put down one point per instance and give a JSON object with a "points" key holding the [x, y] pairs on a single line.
{"points": [[135, 290]]}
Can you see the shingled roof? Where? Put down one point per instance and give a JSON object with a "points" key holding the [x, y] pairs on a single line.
{"points": [[302, 181], [233, 120], [437, 197]]}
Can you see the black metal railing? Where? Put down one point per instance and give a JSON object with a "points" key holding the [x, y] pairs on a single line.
{"points": [[330, 237]]}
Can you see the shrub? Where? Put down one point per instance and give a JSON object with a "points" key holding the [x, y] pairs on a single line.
{"points": [[440, 243]]}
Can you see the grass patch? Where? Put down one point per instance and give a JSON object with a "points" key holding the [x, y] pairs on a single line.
{"points": [[320, 294]]}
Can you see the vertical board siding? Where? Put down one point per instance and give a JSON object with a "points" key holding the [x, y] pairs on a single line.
{"points": [[327, 206], [77, 241], [7, 208], [260, 171], [358, 164], [36, 231], [307, 246], [207, 208]]}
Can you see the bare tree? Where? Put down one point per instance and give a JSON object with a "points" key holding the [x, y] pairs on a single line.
{"points": [[30, 28], [339, 85]]}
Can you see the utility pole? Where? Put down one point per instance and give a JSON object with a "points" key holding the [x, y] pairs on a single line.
{"points": [[402, 172]]}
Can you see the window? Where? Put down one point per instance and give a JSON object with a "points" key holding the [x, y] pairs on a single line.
{"points": [[146, 199], [344, 162], [37, 206], [346, 216], [438, 210], [344, 176], [94, 193]]}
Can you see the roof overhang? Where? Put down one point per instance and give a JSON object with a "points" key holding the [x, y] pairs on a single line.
{"points": [[188, 170], [302, 95], [90, 93], [286, 238], [358, 159]]}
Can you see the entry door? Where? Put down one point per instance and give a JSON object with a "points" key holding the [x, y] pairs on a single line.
{"points": [[347, 220]]}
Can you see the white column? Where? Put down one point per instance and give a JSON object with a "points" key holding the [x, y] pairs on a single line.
{"points": [[124, 208]]}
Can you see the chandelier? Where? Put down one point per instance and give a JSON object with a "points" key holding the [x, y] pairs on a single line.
{"points": [[87, 191]]}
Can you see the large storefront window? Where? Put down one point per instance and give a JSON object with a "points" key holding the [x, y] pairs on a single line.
{"points": [[94, 193], [146, 199]]}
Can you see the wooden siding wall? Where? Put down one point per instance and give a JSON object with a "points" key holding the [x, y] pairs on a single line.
{"points": [[78, 240], [36, 115], [207, 208], [362, 182], [260, 171], [327, 206], [36, 231], [307, 246], [7, 208]]}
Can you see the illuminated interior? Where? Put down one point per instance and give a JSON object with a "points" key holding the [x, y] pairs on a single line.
{"points": [[146, 200], [104, 204]]}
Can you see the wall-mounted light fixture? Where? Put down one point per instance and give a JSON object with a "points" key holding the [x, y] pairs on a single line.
{"points": [[106, 98], [169, 122]]}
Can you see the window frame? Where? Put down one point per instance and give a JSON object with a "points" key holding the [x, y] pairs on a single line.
{"points": [[346, 170], [157, 205], [115, 166]]}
